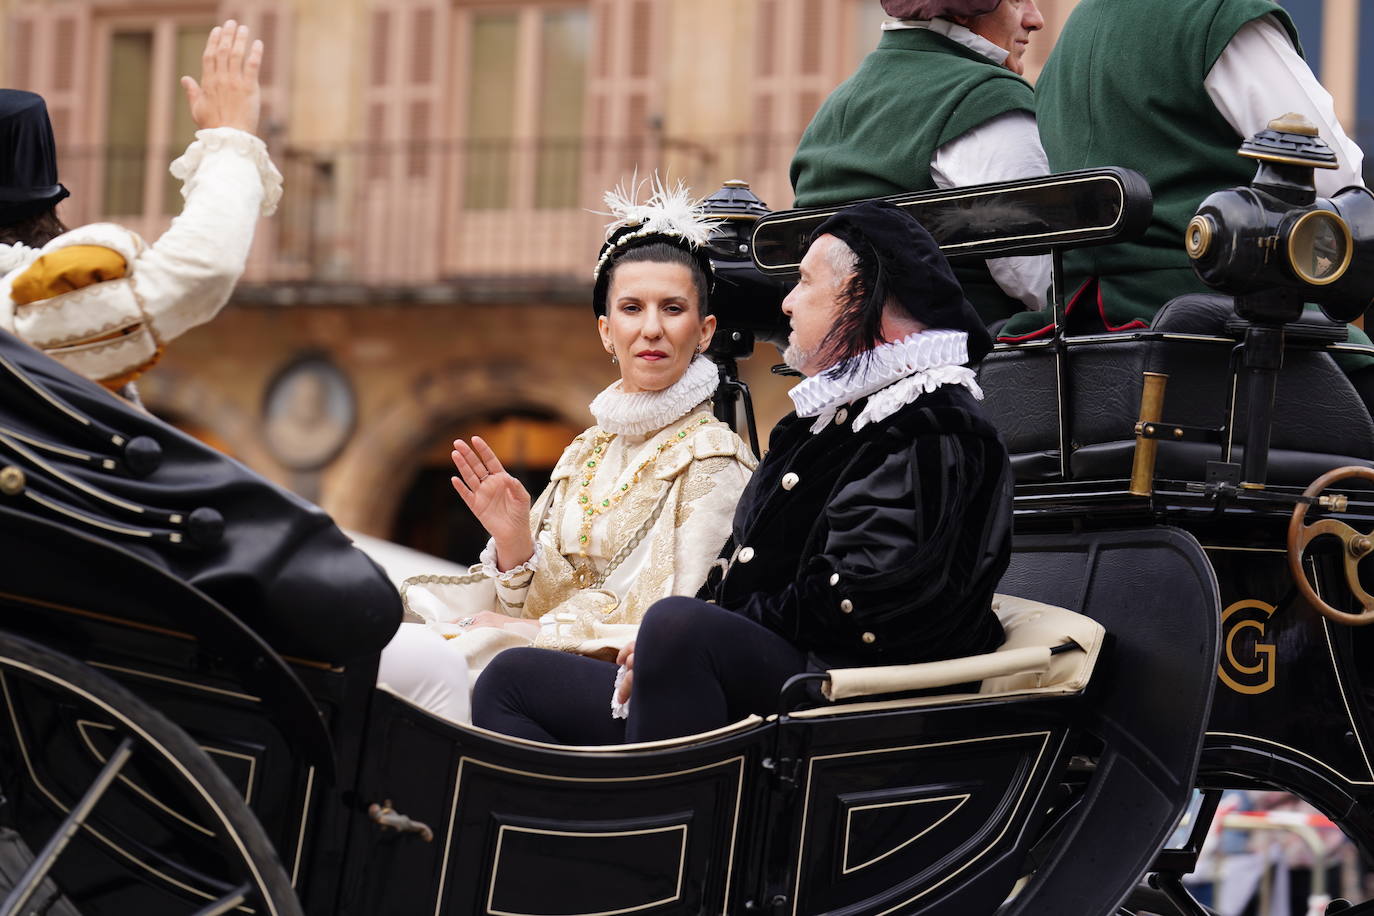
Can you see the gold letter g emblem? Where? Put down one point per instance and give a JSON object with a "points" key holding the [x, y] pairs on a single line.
{"points": [[1256, 673]]}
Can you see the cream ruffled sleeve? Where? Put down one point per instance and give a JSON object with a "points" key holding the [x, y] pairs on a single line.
{"points": [[186, 276], [112, 330], [705, 507]]}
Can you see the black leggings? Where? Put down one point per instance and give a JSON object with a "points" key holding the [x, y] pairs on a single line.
{"points": [[697, 667]]}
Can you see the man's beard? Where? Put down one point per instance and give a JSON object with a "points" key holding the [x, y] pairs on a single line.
{"points": [[796, 357]]}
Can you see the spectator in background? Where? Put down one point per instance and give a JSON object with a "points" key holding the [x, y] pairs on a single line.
{"points": [[141, 296], [1171, 89], [939, 104]]}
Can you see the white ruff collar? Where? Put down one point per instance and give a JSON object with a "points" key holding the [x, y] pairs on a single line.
{"points": [[895, 374], [649, 411]]}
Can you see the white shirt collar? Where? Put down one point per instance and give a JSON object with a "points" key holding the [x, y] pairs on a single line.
{"points": [[649, 411], [954, 32], [896, 373]]}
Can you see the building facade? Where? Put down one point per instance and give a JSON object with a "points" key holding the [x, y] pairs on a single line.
{"points": [[428, 274]]}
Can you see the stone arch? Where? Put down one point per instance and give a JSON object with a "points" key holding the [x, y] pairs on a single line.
{"points": [[364, 486]]}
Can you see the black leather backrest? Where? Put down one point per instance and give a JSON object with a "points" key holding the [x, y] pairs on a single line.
{"points": [[1317, 411]]}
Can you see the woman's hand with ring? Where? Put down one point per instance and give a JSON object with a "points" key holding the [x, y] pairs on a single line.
{"points": [[499, 621]]}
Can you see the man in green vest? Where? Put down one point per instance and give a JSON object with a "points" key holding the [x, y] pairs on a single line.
{"points": [[939, 104], [1170, 88]]}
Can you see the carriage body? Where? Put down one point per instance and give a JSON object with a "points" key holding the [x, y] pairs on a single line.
{"points": [[925, 804]]}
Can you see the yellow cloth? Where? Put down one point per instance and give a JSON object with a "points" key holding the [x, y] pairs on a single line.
{"points": [[67, 269]]}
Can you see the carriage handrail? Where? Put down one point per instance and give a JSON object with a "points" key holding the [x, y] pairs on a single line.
{"points": [[848, 683], [1031, 216]]}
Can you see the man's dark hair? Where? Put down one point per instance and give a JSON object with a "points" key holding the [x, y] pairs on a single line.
{"points": [[858, 327], [34, 231], [665, 253]]}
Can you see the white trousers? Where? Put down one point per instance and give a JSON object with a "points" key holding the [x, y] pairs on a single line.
{"points": [[429, 671]]}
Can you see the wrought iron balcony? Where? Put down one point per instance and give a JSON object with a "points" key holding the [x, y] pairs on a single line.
{"points": [[427, 220]]}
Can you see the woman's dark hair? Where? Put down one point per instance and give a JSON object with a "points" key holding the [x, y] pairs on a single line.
{"points": [[666, 253], [34, 231]]}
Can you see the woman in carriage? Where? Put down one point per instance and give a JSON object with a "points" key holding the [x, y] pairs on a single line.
{"points": [[638, 505]]}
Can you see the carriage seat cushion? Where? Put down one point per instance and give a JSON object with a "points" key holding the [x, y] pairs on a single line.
{"points": [[1022, 664], [1029, 623]]}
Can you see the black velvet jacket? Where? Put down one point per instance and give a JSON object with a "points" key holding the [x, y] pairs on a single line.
{"points": [[876, 547]]}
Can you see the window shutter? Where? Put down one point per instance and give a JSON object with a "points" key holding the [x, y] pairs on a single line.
{"points": [[801, 54], [50, 55], [624, 91], [402, 117]]}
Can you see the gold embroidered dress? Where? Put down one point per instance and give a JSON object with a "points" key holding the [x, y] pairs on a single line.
{"points": [[636, 509]]}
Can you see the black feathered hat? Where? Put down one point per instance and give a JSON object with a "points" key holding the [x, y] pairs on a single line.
{"points": [[899, 260], [669, 215], [28, 157]]}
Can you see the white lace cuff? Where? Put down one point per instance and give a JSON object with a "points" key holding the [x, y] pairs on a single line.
{"points": [[488, 559], [215, 139], [619, 710]]}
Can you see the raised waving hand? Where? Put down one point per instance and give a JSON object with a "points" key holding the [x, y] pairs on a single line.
{"points": [[500, 502], [228, 94]]}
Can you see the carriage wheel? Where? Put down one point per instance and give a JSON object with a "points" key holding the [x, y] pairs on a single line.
{"points": [[231, 868]]}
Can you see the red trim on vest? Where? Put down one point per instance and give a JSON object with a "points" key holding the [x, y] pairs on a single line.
{"points": [[1134, 324]]}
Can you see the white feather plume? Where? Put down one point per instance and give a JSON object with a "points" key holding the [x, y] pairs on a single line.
{"points": [[667, 211]]}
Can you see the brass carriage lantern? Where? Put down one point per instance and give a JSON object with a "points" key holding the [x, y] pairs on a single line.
{"points": [[747, 304]]}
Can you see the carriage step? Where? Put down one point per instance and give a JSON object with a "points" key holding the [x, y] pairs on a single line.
{"points": [[15, 858]]}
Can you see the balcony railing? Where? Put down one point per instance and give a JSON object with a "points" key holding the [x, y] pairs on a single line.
{"points": [[417, 219]]}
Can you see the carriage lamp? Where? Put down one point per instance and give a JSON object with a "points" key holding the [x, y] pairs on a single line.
{"points": [[1275, 244], [747, 304]]}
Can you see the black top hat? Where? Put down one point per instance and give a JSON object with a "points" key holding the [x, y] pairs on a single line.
{"points": [[28, 157]]}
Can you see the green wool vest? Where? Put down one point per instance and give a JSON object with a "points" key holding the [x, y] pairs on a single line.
{"points": [[875, 134], [1124, 86]]}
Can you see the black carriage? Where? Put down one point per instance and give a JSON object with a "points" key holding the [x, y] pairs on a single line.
{"points": [[174, 744]]}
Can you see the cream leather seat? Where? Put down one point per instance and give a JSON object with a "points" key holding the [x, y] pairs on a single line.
{"points": [[1022, 666]]}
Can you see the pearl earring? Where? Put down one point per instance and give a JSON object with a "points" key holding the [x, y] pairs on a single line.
{"points": [[614, 360]]}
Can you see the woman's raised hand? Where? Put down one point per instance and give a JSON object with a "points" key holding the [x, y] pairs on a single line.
{"points": [[228, 94], [500, 502]]}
